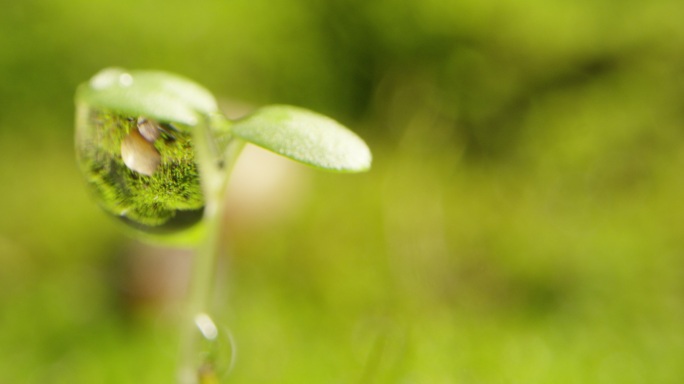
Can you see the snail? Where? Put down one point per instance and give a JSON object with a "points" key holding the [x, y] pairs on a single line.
{"points": [[149, 129], [137, 148]]}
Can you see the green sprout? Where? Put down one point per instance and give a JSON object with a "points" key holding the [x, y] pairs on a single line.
{"points": [[156, 153]]}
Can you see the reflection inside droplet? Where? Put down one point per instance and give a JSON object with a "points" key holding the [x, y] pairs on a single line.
{"points": [[140, 170], [213, 351]]}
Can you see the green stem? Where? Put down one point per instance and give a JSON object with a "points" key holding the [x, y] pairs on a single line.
{"points": [[215, 164]]}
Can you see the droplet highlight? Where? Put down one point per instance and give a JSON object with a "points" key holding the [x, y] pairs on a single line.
{"points": [[206, 326], [125, 79]]}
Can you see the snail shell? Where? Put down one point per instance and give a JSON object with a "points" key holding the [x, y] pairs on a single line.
{"points": [[149, 129], [139, 154]]}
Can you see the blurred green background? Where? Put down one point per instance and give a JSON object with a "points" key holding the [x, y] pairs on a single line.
{"points": [[522, 223]]}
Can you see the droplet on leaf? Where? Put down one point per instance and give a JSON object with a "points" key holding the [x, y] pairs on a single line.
{"points": [[137, 172]]}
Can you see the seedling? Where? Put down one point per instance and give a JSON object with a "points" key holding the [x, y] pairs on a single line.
{"points": [[156, 153]]}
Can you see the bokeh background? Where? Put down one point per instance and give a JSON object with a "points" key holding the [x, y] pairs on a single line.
{"points": [[523, 221]]}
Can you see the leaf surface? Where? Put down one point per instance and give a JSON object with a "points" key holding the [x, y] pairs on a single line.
{"points": [[156, 94], [305, 136]]}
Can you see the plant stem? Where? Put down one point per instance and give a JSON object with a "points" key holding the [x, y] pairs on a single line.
{"points": [[199, 333]]}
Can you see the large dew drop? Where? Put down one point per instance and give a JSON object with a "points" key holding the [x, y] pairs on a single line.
{"points": [[140, 170]]}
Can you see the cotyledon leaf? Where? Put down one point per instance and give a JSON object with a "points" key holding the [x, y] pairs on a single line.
{"points": [[156, 94], [305, 136]]}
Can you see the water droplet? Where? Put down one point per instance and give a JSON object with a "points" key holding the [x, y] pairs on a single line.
{"points": [[125, 79], [139, 170], [206, 326], [213, 354]]}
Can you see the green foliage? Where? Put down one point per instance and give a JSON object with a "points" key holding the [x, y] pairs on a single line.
{"points": [[293, 132], [155, 94], [147, 175], [522, 222], [305, 136]]}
